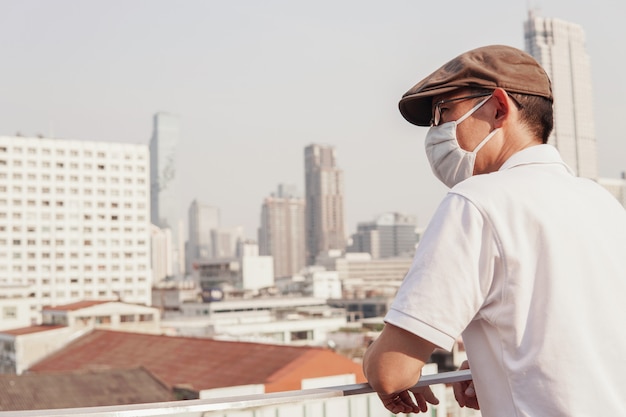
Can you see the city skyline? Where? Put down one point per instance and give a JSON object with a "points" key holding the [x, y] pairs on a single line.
{"points": [[254, 84]]}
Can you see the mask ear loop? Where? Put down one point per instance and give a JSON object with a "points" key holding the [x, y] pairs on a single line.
{"points": [[472, 110], [484, 141], [468, 114]]}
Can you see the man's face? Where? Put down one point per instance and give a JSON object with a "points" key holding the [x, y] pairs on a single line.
{"points": [[452, 106]]}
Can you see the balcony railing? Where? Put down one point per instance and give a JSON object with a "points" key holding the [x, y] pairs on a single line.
{"points": [[250, 405]]}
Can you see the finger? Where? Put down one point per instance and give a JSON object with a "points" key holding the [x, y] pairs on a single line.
{"points": [[423, 396], [472, 403], [407, 400], [430, 396], [399, 403], [459, 393], [469, 391], [421, 403]]}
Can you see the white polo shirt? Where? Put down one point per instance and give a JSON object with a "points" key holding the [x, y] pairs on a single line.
{"points": [[529, 264]]}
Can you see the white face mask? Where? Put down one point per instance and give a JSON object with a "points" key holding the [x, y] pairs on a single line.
{"points": [[449, 162]]}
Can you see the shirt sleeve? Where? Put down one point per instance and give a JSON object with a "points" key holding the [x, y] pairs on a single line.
{"points": [[450, 276]]}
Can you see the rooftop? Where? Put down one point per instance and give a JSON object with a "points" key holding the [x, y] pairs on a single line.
{"points": [[199, 363], [31, 329], [80, 389], [77, 305]]}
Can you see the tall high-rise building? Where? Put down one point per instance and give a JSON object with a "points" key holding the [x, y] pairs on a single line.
{"points": [[390, 235], [559, 47], [161, 249], [203, 220], [281, 233], [74, 219], [324, 216], [165, 210]]}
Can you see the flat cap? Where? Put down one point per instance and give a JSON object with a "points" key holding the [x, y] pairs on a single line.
{"points": [[491, 67]]}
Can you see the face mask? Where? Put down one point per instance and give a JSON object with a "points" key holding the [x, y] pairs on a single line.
{"points": [[449, 162]]}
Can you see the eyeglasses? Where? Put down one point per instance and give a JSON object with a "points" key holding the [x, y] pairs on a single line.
{"points": [[436, 118]]}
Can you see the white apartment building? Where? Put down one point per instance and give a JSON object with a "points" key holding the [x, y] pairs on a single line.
{"points": [[75, 219], [250, 272], [362, 276], [284, 320], [313, 281], [17, 309], [22, 347]]}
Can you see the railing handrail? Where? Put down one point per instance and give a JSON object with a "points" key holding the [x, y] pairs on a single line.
{"points": [[229, 403]]}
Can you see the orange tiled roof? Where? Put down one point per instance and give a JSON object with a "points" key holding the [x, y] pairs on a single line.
{"points": [[200, 363]]}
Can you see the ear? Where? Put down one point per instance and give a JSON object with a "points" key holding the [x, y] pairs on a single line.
{"points": [[502, 106]]}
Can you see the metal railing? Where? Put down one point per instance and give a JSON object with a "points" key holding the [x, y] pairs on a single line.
{"points": [[209, 407]]}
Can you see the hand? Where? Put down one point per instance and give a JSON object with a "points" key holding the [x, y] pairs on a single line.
{"points": [[464, 391], [403, 402]]}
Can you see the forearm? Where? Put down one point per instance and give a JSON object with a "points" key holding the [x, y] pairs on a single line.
{"points": [[395, 360], [390, 372]]}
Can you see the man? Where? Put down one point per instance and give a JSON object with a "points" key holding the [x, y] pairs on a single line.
{"points": [[524, 260]]}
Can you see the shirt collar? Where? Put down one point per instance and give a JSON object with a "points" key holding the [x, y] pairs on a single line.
{"points": [[537, 154]]}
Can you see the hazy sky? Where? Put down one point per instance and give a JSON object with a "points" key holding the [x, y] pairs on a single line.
{"points": [[254, 82]]}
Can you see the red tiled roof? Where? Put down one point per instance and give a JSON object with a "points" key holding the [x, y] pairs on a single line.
{"points": [[200, 363], [77, 305], [31, 329]]}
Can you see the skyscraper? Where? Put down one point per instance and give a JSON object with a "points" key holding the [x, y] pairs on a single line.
{"points": [[324, 217], [203, 220], [559, 47], [164, 199], [281, 233]]}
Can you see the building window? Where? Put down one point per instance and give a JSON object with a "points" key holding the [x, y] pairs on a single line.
{"points": [[9, 312], [302, 335], [103, 320]]}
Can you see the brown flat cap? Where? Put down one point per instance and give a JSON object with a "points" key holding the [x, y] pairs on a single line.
{"points": [[490, 67]]}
